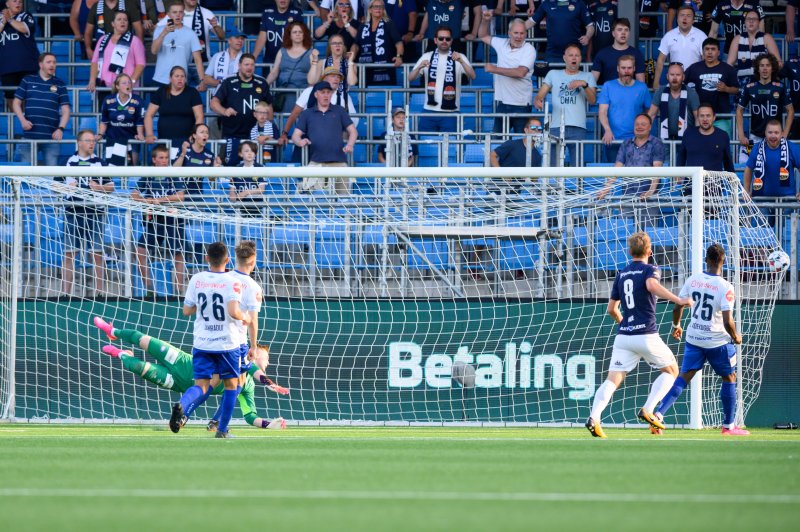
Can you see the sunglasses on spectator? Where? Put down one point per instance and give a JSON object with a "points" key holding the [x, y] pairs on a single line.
{"points": [[445, 38], [535, 128], [675, 63]]}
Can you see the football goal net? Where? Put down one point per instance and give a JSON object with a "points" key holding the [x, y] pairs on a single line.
{"points": [[436, 295]]}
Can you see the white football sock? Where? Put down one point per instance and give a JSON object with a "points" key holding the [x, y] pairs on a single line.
{"points": [[601, 398], [658, 390]]}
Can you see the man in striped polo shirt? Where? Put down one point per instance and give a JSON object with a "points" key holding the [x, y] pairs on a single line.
{"points": [[42, 107]]}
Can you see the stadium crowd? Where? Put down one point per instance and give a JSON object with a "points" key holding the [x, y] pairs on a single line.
{"points": [[210, 86]]}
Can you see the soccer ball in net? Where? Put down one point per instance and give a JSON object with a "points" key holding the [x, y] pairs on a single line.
{"points": [[778, 261]]}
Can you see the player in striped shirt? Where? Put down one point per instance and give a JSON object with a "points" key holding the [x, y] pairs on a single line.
{"points": [[710, 336]]}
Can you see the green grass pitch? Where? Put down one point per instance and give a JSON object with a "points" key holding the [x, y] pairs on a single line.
{"points": [[56, 477]]}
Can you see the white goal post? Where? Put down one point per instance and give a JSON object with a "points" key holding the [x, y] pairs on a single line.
{"points": [[427, 295]]}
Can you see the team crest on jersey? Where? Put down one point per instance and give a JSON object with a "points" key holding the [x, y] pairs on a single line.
{"points": [[53, 88], [776, 95], [258, 90], [207, 161], [131, 110], [571, 7]]}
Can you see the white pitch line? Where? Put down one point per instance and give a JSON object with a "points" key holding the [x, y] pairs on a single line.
{"points": [[404, 495]]}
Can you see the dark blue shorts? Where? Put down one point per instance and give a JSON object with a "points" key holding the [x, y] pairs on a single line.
{"points": [[722, 359], [245, 363], [167, 238], [226, 364], [83, 231]]}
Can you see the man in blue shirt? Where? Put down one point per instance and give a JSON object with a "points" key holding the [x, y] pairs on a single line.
{"points": [[162, 234], [705, 145], [771, 165], [322, 127], [634, 291], [642, 150], [619, 102], [604, 67], [566, 20], [42, 107]]}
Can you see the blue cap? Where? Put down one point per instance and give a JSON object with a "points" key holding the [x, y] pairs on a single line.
{"points": [[323, 85], [233, 31]]}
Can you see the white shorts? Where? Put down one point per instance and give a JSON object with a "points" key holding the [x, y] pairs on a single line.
{"points": [[629, 349]]}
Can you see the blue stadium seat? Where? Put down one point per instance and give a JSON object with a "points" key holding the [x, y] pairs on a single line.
{"points": [[473, 153], [482, 78], [611, 252], [417, 103]]}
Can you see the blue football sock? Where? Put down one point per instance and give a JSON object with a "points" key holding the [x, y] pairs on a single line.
{"points": [[189, 398], [199, 401], [218, 413], [226, 408], [672, 396], [728, 396]]}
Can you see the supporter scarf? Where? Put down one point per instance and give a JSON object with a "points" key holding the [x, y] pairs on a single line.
{"points": [[198, 27], [746, 55], [119, 56], [370, 51], [446, 97], [343, 65], [663, 109], [116, 152], [760, 169], [99, 31], [223, 63], [268, 131]]}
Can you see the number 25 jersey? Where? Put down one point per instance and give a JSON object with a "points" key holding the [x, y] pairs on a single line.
{"points": [[711, 295], [210, 292]]}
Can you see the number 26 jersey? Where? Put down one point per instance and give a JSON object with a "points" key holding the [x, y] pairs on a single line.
{"points": [[210, 292], [711, 295]]}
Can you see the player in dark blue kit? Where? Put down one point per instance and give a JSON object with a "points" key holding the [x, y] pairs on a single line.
{"points": [[635, 289]]}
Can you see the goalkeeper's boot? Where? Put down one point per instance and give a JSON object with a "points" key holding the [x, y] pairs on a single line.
{"points": [[177, 420], [595, 429], [116, 352], [650, 418], [105, 327], [221, 434], [735, 431], [277, 424], [212, 425], [655, 430]]}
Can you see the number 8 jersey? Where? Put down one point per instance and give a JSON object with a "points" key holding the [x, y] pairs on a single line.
{"points": [[711, 295], [210, 292], [637, 304]]}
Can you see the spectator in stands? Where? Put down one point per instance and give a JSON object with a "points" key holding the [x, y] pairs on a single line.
{"points": [[163, 236], [17, 47], [101, 20], [234, 101], [270, 34], [790, 73], [568, 21], [603, 13], [770, 169], [308, 99], [394, 135], [334, 57], [152, 12], [682, 45], [342, 22], [78, 17], [179, 108], [196, 154], [604, 67], [715, 83], [174, 45], [748, 45], [574, 89], [246, 189], [222, 65], [442, 13], [649, 25], [42, 107], [701, 10], [84, 226], [477, 8], [513, 89], [620, 101], [513, 153], [115, 53], [378, 43], [675, 105], [705, 146], [203, 23], [443, 70], [791, 10], [121, 121], [642, 150], [265, 131], [322, 127], [731, 15], [291, 65], [766, 99], [325, 7], [404, 15]]}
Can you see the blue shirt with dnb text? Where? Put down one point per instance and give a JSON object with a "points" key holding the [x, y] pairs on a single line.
{"points": [[637, 304]]}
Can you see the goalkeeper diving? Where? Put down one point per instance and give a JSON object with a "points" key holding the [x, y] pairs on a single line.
{"points": [[174, 371]]}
